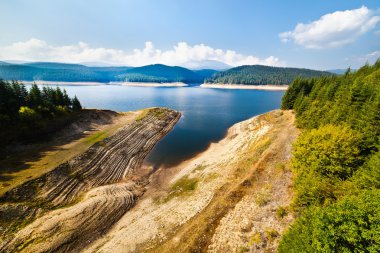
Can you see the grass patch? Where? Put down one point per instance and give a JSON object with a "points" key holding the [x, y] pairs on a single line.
{"points": [[182, 186], [281, 212], [271, 234], [255, 239], [96, 138], [159, 113], [262, 197], [142, 115], [242, 249]]}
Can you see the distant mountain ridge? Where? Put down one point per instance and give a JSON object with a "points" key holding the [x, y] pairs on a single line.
{"points": [[263, 75], [164, 73], [52, 71], [340, 71]]}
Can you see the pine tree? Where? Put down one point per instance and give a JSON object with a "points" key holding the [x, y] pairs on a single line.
{"points": [[76, 104]]}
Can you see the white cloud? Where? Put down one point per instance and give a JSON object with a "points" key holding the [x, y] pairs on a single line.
{"points": [[181, 54], [371, 57], [333, 29]]}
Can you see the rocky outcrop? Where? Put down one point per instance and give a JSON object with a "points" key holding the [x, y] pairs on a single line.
{"points": [[80, 199]]}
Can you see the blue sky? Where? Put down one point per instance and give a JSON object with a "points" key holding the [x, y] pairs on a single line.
{"points": [[235, 32]]}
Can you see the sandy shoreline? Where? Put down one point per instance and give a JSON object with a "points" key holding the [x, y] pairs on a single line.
{"points": [[246, 87], [141, 84]]}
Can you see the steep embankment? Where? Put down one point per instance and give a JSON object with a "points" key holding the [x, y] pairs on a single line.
{"points": [[234, 196], [68, 207]]}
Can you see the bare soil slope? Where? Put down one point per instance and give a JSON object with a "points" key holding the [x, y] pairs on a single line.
{"points": [[68, 207], [233, 197]]}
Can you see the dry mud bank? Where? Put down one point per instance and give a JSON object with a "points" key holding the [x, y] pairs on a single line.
{"points": [[70, 206], [231, 198]]}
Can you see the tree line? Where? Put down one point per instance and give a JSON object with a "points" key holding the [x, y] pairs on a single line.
{"points": [[336, 163], [262, 75], [26, 113]]}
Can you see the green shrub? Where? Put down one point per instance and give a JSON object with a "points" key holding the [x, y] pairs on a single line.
{"points": [[281, 212], [350, 225], [27, 114], [330, 151], [322, 159]]}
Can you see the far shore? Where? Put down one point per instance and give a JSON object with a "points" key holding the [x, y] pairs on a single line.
{"points": [[246, 87], [63, 83], [137, 84], [143, 84]]}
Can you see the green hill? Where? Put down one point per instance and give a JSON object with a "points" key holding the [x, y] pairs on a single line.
{"points": [[51, 71], [262, 75], [336, 163], [48, 71], [162, 73]]}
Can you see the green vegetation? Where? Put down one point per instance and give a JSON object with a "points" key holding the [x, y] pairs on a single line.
{"points": [[182, 186], [96, 137], [263, 75], [159, 73], [350, 225], [336, 161], [28, 114], [50, 71], [281, 212]]}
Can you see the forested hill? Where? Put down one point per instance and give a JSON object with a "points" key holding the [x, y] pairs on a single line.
{"points": [[163, 73], [50, 71], [263, 75], [336, 163]]}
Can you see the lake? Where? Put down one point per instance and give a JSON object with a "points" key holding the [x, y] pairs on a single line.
{"points": [[207, 113]]}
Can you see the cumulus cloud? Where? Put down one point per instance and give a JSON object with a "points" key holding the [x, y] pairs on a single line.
{"points": [[333, 29], [181, 54]]}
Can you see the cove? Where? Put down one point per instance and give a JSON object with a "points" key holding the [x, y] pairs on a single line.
{"points": [[206, 113]]}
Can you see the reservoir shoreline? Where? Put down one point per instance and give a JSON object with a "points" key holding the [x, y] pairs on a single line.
{"points": [[246, 87]]}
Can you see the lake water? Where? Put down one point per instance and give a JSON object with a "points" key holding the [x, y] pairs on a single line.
{"points": [[207, 113]]}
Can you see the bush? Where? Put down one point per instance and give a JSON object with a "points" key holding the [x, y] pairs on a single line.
{"points": [[330, 151], [350, 225], [281, 212], [368, 176], [28, 115]]}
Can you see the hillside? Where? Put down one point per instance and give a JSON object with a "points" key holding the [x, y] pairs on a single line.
{"points": [[51, 71], [69, 205], [233, 196], [336, 161], [262, 75], [163, 73], [59, 72]]}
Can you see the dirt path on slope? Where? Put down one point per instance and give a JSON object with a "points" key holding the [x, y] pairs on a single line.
{"points": [[234, 196]]}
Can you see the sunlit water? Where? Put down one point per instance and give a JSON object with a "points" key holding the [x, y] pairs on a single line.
{"points": [[207, 113]]}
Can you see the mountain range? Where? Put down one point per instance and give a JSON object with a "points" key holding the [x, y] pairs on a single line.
{"points": [[159, 73], [52, 71]]}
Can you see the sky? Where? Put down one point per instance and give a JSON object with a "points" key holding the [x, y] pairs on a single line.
{"points": [[316, 34]]}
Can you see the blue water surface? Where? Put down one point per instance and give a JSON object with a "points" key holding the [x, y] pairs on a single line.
{"points": [[207, 113]]}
